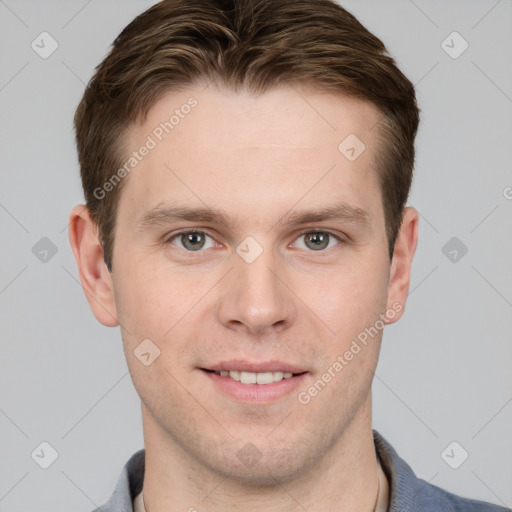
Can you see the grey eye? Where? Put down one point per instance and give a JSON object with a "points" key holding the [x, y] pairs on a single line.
{"points": [[317, 240], [192, 240]]}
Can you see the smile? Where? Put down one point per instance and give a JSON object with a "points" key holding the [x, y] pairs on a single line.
{"points": [[255, 378]]}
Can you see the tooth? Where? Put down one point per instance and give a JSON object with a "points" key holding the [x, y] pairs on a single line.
{"points": [[255, 378], [264, 378], [247, 378]]}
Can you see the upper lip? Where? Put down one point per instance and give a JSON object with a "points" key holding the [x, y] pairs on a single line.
{"points": [[253, 367]]}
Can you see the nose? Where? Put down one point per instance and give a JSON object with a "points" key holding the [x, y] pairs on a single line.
{"points": [[254, 296]]}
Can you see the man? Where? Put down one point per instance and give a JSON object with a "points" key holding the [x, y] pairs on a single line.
{"points": [[246, 165]]}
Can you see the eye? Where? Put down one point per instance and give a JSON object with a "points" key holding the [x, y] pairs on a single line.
{"points": [[195, 241], [191, 240], [318, 240]]}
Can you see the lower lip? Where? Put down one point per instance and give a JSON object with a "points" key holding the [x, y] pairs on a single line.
{"points": [[256, 393]]}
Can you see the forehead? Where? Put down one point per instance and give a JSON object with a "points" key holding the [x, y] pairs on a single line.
{"points": [[229, 149], [288, 115]]}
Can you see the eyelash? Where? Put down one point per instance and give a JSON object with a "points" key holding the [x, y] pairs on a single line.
{"points": [[302, 233]]}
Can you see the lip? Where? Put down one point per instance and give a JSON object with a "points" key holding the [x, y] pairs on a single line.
{"points": [[255, 394], [253, 367]]}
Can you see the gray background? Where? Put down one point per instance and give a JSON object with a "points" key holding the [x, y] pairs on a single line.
{"points": [[444, 372]]}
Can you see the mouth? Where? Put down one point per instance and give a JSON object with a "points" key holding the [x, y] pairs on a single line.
{"points": [[261, 378], [255, 383]]}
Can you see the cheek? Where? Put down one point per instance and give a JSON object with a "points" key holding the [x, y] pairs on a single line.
{"points": [[349, 299], [147, 302], [152, 310], [165, 305], [351, 307]]}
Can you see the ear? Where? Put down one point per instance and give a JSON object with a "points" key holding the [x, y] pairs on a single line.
{"points": [[400, 272], [94, 275]]}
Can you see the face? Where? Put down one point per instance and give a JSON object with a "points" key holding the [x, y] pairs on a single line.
{"points": [[249, 241]]}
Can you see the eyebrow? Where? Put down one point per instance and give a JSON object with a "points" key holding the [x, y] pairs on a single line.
{"points": [[163, 214]]}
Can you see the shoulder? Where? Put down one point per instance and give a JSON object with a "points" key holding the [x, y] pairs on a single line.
{"points": [[434, 498], [409, 493]]}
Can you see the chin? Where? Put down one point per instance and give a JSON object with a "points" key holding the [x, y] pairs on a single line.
{"points": [[253, 468]]}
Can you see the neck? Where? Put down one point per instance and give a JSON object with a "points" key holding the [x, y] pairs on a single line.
{"points": [[345, 479]]}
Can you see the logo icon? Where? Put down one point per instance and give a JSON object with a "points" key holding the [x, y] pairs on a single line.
{"points": [[44, 45], [44, 250], [249, 455], [351, 147], [454, 45], [454, 250], [44, 455], [146, 352], [249, 249], [454, 455]]}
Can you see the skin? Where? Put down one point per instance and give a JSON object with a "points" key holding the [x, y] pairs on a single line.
{"points": [[256, 158]]}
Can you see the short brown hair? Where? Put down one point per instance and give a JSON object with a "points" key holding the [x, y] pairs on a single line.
{"points": [[251, 44]]}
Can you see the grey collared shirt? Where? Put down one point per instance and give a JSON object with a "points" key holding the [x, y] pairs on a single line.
{"points": [[407, 493]]}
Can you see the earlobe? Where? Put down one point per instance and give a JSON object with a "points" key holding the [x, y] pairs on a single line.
{"points": [[400, 271], [94, 275]]}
